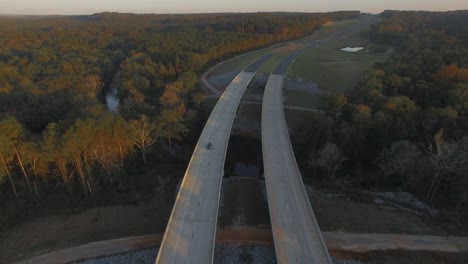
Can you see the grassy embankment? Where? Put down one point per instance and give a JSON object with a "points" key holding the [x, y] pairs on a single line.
{"points": [[336, 70], [328, 66], [331, 68]]}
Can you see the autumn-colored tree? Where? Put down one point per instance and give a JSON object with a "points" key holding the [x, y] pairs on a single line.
{"points": [[122, 134], [171, 125], [49, 81], [53, 152], [174, 95], [76, 143], [12, 134], [103, 151], [446, 73], [93, 84], [389, 27], [362, 115], [333, 104], [36, 162], [6, 155]]}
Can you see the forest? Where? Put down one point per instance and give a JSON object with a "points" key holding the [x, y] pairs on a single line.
{"points": [[56, 133], [405, 125]]}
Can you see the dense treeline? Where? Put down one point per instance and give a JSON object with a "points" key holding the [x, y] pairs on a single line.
{"points": [[56, 133], [406, 123]]}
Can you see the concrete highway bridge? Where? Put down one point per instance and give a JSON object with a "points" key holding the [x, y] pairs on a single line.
{"points": [[191, 230], [190, 233]]}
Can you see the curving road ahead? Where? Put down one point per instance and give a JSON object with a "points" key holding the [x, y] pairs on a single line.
{"points": [[296, 233], [190, 232]]}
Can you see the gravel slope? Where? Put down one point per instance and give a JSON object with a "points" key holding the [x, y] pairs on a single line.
{"points": [[224, 253]]}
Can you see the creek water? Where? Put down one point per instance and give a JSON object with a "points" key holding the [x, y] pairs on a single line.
{"points": [[243, 201], [244, 157], [112, 101]]}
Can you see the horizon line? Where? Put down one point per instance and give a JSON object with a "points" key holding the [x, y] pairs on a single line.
{"points": [[225, 12]]}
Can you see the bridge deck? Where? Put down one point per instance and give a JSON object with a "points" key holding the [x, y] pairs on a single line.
{"points": [[190, 233], [295, 230]]}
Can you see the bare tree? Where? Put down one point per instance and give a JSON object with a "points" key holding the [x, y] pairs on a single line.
{"points": [[145, 134], [312, 161], [446, 159], [398, 160], [6, 170], [330, 158], [11, 134]]}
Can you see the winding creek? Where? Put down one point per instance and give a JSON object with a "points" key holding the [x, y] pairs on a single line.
{"points": [[112, 101]]}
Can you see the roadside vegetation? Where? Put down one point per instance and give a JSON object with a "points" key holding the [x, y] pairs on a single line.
{"points": [[404, 125], [304, 99], [394, 116], [58, 139]]}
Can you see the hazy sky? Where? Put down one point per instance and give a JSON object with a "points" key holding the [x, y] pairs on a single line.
{"points": [[197, 6]]}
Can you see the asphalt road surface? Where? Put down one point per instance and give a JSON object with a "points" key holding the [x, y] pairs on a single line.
{"points": [[283, 66], [259, 62], [190, 233], [295, 230]]}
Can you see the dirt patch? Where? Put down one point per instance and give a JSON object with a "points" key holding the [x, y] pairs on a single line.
{"points": [[340, 213], [404, 257], [142, 209], [302, 85], [334, 212], [56, 232]]}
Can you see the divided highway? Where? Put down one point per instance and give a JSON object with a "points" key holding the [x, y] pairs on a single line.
{"points": [[296, 233], [190, 233]]}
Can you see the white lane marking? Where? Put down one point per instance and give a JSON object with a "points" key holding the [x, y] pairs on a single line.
{"points": [[282, 140], [225, 95], [198, 164]]}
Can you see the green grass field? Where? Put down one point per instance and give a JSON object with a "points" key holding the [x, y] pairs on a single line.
{"points": [[243, 61], [337, 70], [328, 66], [297, 120], [271, 64], [301, 99], [333, 74], [336, 25], [334, 69]]}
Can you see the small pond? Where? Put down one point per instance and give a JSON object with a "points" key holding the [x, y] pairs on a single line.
{"points": [[355, 49]]}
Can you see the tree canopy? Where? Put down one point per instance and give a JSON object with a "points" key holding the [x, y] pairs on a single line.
{"points": [[388, 124], [55, 71]]}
